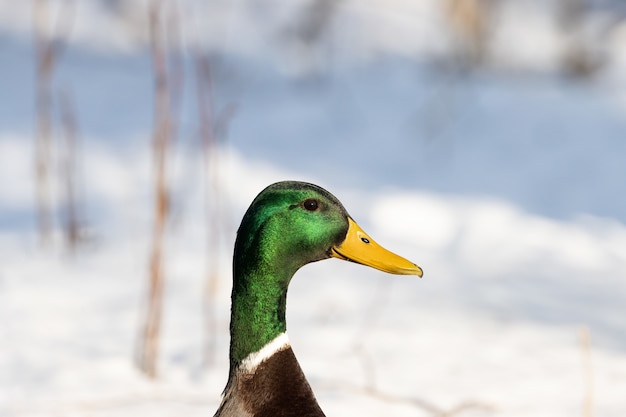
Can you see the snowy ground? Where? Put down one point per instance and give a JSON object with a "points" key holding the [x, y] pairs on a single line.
{"points": [[507, 188]]}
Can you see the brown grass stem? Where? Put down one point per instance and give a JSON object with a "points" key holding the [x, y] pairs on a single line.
{"points": [[69, 165], [167, 93], [212, 200], [49, 46]]}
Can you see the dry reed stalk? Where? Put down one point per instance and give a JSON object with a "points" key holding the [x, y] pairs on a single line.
{"points": [[470, 22], [45, 57], [211, 200], [578, 58], [213, 125], [69, 166], [163, 131], [48, 49]]}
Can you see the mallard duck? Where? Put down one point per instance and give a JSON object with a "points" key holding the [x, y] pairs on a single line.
{"points": [[288, 225]]}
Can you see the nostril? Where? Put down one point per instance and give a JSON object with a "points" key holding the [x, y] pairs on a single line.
{"points": [[365, 240]]}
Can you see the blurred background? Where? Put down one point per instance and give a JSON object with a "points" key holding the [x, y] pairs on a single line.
{"points": [[483, 139]]}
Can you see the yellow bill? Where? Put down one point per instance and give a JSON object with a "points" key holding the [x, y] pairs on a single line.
{"points": [[360, 248]]}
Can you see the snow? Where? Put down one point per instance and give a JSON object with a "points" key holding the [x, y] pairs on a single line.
{"points": [[504, 185]]}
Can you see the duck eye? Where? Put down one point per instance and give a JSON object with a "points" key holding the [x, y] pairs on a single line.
{"points": [[310, 204]]}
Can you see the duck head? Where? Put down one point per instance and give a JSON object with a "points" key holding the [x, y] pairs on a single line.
{"points": [[291, 224]]}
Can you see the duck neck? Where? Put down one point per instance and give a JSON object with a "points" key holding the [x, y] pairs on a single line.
{"points": [[258, 309]]}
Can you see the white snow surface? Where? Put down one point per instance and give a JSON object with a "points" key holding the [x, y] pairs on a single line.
{"points": [[506, 187]]}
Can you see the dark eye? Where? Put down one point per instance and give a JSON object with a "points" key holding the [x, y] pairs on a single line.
{"points": [[310, 204]]}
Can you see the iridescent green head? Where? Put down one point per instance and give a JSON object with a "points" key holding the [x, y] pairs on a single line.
{"points": [[288, 225]]}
